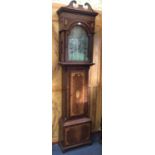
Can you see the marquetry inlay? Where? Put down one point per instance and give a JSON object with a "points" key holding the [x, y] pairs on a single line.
{"points": [[78, 95]]}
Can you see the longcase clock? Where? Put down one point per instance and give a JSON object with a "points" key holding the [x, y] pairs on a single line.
{"points": [[76, 32]]}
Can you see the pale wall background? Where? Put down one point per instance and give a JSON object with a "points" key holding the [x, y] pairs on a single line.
{"points": [[95, 76]]}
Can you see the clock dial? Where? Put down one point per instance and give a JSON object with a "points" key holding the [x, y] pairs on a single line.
{"points": [[78, 44]]}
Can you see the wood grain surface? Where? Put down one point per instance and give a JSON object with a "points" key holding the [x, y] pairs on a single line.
{"points": [[95, 83]]}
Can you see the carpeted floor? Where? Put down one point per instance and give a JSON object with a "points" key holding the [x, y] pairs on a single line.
{"points": [[94, 149]]}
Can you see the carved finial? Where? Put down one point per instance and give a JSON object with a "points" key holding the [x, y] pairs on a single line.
{"points": [[72, 3], [89, 6], [73, 6]]}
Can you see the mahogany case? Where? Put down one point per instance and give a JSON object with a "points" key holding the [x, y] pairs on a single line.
{"points": [[75, 122]]}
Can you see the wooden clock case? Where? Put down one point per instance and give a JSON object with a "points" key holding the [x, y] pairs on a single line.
{"points": [[75, 123]]}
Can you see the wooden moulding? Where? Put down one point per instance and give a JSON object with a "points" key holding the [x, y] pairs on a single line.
{"points": [[77, 121], [75, 64]]}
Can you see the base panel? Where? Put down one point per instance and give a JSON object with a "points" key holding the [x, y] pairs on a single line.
{"points": [[75, 133]]}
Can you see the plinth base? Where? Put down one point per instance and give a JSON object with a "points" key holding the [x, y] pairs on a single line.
{"points": [[74, 133]]}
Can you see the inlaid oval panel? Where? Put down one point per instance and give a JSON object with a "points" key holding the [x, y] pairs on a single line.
{"points": [[78, 93]]}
